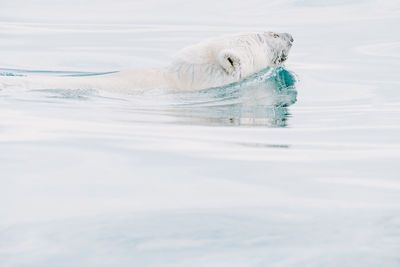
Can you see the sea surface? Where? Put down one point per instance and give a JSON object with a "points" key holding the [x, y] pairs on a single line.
{"points": [[294, 166]]}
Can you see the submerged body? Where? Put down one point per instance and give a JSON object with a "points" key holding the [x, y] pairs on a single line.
{"points": [[211, 63]]}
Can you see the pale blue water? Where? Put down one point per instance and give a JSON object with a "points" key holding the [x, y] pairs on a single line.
{"points": [[291, 167]]}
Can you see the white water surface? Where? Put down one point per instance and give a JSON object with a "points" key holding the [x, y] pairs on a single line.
{"points": [[292, 167]]}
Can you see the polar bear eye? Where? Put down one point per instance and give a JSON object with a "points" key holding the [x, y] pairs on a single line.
{"points": [[274, 35]]}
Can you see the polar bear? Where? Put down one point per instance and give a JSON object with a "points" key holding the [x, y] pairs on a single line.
{"points": [[211, 63]]}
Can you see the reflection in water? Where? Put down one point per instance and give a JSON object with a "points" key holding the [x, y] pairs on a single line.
{"points": [[261, 99]]}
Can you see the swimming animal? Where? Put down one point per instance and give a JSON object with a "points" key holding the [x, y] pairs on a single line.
{"points": [[214, 62]]}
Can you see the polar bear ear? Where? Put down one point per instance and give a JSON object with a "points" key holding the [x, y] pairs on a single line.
{"points": [[229, 61]]}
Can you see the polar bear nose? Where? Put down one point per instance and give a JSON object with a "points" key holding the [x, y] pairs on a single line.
{"points": [[287, 36]]}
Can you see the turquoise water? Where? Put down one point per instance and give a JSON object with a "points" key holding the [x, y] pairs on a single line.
{"points": [[295, 166]]}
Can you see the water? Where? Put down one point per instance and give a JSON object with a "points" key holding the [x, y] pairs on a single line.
{"points": [[291, 167]]}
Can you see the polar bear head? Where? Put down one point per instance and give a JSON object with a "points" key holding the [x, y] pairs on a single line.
{"points": [[227, 59]]}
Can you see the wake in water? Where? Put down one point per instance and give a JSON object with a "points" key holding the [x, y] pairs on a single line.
{"points": [[260, 99]]}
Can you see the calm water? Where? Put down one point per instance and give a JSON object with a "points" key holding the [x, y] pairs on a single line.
{"points": [[291, 167]]}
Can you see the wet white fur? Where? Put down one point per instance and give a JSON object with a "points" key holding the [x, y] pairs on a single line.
{"points": [[211, 63]]}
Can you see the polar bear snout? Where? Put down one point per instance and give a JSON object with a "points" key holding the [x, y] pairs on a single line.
{"points": [[287, 37]]}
